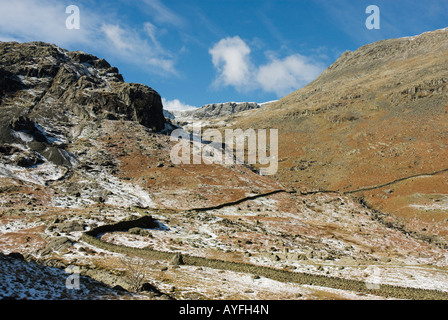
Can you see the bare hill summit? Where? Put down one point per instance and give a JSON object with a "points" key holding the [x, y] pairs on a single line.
{"points": [[374, 124]]}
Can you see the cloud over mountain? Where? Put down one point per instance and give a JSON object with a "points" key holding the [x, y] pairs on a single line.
{"points": [[175, 105], [231, 58]]}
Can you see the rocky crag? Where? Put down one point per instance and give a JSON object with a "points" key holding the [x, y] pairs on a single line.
{"points": [[216, 110], [47, 92]]}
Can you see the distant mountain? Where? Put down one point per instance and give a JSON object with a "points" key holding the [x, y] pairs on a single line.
{"points": [[214, 110]]}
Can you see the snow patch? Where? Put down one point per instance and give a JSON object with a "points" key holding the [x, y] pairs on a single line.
{"points": [[38, 175], [25, 137]]}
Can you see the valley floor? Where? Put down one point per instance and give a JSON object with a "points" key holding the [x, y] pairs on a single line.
{"points": [[330, 235]]}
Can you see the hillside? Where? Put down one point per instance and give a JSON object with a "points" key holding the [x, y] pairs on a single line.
{"points": [[86, 180], [374, 125]]}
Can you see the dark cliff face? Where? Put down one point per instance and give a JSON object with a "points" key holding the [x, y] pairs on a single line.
{"points": [[48, 92], [40, 80]]}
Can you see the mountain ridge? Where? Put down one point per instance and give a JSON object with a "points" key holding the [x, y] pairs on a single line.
{"points": [[213, 110], [376, 115]]}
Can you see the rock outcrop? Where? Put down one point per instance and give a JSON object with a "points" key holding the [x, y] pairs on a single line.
{"points": [[216, 110], [41, 80], [46, 92]]}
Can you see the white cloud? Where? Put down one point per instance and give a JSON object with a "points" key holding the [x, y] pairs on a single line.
{"points": [[232, 61], [230, 57], [120, 38], [130, 45], [163, 14], [175, 105], [284, 76], [151, 31], [30, 20]]}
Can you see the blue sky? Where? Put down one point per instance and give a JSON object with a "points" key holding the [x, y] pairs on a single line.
{"points": [[195, 52]]}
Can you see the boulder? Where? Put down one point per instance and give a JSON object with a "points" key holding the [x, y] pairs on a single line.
{"points": [[70, 226], [140, 232], [177, 260], [57, 244], [149, 288], [16, 255]]}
